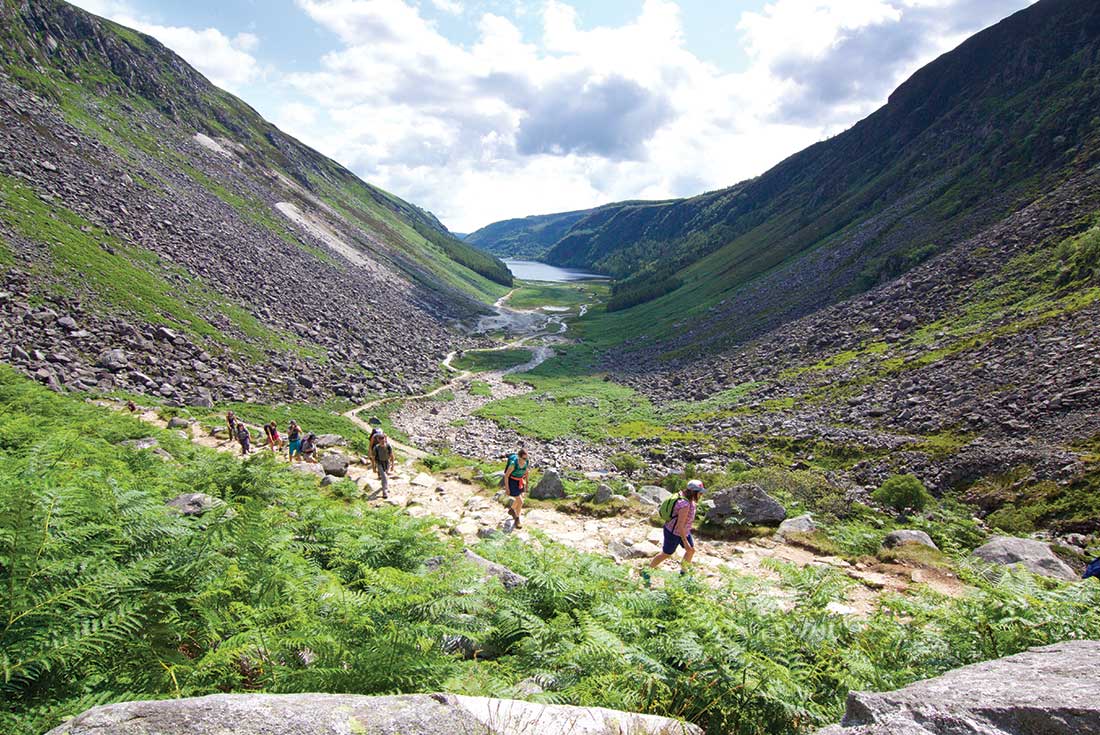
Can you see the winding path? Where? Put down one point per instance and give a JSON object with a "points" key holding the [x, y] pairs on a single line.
{"points": [[540, 355]]}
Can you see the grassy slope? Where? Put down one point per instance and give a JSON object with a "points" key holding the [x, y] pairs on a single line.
{"points": [[109, 597], [131, 279]]}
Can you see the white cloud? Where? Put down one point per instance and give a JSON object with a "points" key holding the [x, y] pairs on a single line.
{"points": [[575, 116], [227, 62], [448, 6]]}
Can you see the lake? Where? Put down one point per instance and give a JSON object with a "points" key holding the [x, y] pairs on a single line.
{"points": [[529, 270]]}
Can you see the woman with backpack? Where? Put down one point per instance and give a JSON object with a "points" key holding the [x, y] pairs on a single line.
{"points": [[294, 441], [679, 516], [515, 481]]}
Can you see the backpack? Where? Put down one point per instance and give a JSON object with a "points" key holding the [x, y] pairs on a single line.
{"points": [[1093, 569], [668, 507]]}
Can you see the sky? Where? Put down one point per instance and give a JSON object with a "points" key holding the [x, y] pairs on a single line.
{"points": [[482, 110]]}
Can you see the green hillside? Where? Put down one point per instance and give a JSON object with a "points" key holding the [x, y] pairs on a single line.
{"points": [[526, 237], [970, 138]]}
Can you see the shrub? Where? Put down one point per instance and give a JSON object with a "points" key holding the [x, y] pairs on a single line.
{"points": [[626, 463], [902, 492]]}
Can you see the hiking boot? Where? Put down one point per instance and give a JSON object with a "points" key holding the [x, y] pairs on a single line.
{"points": [[518, 524]]}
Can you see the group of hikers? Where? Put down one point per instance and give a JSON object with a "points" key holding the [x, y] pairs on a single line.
{"points": [[302, 446], [677, 513]]}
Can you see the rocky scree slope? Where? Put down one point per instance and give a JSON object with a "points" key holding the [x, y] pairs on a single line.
{"points": [[978, 371], [158, 236]]}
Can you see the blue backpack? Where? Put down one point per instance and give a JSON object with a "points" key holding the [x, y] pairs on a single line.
{"points": [[1093, 569]]}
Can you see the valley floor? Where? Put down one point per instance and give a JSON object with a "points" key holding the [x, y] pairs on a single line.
{"points": [[627, 533]]}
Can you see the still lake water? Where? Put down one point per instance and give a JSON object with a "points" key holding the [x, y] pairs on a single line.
{"points": [[528, 270]]}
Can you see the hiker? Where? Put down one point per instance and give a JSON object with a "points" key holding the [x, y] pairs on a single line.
{"points": [[515, 480], [679, 515], [244, 436], [308, 448], [381, 458], [294, 441], [274, 441], [231, 424], [131, 406], [375, 433]]}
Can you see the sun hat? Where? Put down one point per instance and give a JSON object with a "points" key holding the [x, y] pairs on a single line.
{"points": [[696, 485]]}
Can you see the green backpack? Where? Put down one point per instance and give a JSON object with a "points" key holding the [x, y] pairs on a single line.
{"points": [[667, 507]]}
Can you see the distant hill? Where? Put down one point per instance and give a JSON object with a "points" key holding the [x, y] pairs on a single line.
{"points": [[146, 211], [526, 237]]}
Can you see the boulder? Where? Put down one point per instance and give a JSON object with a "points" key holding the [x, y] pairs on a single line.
{"points": [[194, 504], [334, 463], [906, 536], [745, 505], [1035, 556], [325, 441], [113, 360], [507, 577], [178, 422], [309, 468], [652, 494], [602, 495], [625, 549], [325, 714], [1046, 690], [550, 487], [800, 524], [147, 443], [203, 398]]}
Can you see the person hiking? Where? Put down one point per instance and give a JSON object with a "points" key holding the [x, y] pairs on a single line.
{"points": [[244, 436], [375, 433], [131, 406], [515, 481], [382, 459], [679, 515], [271, 432], [231, 424], [308, 448], [294, 441]]}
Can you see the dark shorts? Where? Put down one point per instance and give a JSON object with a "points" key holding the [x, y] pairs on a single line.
{"points": [[672, 541], [515, 489]]}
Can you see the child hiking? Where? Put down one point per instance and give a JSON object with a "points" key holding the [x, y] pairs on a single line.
{"points": [[244, 437], [679, 515], [271, 432], [515, 481]]}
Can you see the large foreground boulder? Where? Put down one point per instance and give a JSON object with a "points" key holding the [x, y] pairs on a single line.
{"points": [[335, 464], [1035, 556], [745, 505], [1045, 691], [549, 488], [328, 714]]}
